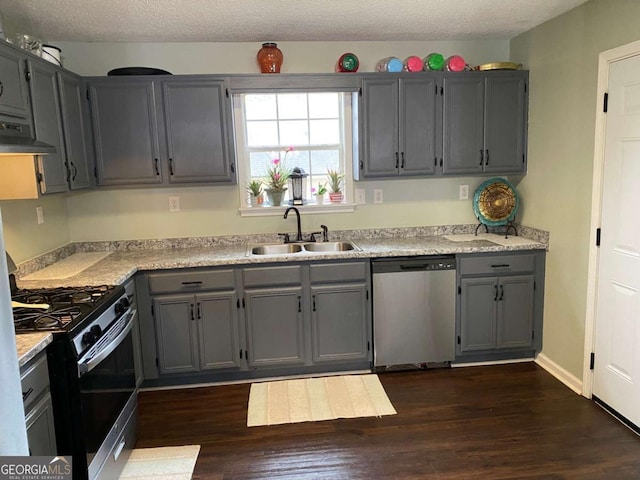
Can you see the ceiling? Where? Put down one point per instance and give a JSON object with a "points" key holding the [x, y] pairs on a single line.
{"points": [[277, 20]]}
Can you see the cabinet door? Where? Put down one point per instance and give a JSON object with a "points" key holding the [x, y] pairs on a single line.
{"points": [[339, 323], [275, 326], [379, 156], [47, 124], [463, 130], [505, 123], [126, 132], [478, 314], [418, 117], [515, 311], [175, 319], [79, 151], [41, 434], [197, 118], [218, 337], [14, 96]]}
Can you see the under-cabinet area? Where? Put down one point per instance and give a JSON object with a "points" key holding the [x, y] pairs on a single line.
{"points": [[210, 324]]}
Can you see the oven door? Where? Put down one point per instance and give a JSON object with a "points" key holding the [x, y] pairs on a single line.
{"points": [[107, 384]]}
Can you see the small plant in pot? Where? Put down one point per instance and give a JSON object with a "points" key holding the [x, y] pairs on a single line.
{"points": [[335, 185], [319, 192], [254, 189]]}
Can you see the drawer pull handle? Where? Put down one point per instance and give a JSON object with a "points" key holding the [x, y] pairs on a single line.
{"points": [[191, 284], [26, 394], [501, 265]]}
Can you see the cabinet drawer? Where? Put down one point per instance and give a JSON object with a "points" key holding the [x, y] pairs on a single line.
{"points": [[338, 272], [285, 275], [497, 264], [35, 380], [191, 281]]}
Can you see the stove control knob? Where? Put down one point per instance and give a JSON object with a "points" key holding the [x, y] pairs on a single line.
{"points": [[88, 338], [122, 306], [96, 330]]}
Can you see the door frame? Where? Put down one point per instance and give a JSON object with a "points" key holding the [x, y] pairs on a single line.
{"points": [[605, 59]]}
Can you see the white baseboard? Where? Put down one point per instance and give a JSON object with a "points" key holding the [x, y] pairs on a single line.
{"points": [[570, 380]]}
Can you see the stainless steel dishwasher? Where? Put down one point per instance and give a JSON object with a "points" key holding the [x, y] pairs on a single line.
{"points": [[414, 304]]}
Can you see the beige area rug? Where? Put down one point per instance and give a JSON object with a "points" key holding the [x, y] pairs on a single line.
{"points": [[315, 399], [163, 463]]}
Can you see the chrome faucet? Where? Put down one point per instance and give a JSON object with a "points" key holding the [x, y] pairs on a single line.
{"points": [[299, 233]]}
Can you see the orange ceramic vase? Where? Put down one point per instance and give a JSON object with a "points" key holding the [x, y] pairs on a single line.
{"points": [[270, 58]]}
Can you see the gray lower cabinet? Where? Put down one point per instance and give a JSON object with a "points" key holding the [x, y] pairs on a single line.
{"points": [[500, 305], [196, 332], [340, 312], [398, 121], [275, 326], [151, 131], [38, 407], [484, 123], [255, 320]]}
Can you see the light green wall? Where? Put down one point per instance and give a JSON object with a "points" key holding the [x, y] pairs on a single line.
{"points": [[562, 56], [24, 238]]}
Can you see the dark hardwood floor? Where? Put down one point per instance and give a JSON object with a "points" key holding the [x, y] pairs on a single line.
{"points": [[496, 422]]}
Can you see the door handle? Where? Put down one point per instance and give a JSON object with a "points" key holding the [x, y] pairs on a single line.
{"points": [[199, 311], [397, 160], [155, 163], [481, 157], [402, 157], [501, 292], [299, 304], [314, 302], [486, 157], [495, 297], [192, 315], [171, 166]]}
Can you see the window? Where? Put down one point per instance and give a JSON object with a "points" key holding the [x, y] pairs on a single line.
{"points": [[308, 130]]}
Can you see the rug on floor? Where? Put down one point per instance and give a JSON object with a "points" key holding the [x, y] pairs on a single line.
{"points": [[163, 463], [316, 399]]}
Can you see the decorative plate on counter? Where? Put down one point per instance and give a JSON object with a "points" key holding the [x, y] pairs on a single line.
{"points": [[495, 202]]}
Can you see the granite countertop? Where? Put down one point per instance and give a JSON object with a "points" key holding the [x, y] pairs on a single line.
{"points": [[116, 267]]}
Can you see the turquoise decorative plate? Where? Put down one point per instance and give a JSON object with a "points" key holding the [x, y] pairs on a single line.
{"points": [[495, 202]]}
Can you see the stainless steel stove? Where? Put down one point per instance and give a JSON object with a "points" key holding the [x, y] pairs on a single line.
{"points": [[91, 370]]}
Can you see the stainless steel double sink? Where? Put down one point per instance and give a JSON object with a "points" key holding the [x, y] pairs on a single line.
{"points": [[309, 247]]}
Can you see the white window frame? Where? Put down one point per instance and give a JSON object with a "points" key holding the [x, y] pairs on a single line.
{"points": [[242, 162]]}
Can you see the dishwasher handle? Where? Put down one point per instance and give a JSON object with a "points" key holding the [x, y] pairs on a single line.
{"points": [[413, 265]]}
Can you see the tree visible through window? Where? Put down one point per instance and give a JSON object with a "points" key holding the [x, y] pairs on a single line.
{"points": [[312, 124]]}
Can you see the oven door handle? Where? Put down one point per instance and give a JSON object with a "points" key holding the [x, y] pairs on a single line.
{"points": [[92, 359]]}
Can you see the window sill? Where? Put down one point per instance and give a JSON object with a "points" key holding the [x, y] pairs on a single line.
{"points": [[268, 210]]}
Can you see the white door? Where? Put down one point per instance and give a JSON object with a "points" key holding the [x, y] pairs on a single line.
{"points": [[617, 344]]}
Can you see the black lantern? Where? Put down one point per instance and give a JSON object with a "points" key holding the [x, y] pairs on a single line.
{"points": [[297, 180]]}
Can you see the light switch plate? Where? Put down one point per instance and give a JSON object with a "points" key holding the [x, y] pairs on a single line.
{"points": [[40, 215], [463, 192], [361, 197]]}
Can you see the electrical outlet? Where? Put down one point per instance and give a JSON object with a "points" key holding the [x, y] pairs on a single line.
{"points": [[361, 198], [40, 215], [174, 204], [378, 196], [463, 192]]}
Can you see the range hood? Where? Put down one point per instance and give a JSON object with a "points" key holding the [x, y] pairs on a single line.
{"points": [[15, 139], [21, 162]]}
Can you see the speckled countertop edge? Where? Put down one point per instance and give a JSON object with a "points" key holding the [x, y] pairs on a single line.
{"points": [[31, 344]]}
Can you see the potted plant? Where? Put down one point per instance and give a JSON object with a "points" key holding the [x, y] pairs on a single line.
{"points": [[254, 189], [276, 180], [319, 192], [335, 185]]}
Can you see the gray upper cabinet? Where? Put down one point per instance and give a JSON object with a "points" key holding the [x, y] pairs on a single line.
{"points": [[14, 93], [125, 130], [398, 126], [162, 131], [484, 123], [47, 122], [197, 117], [77, 131]]}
